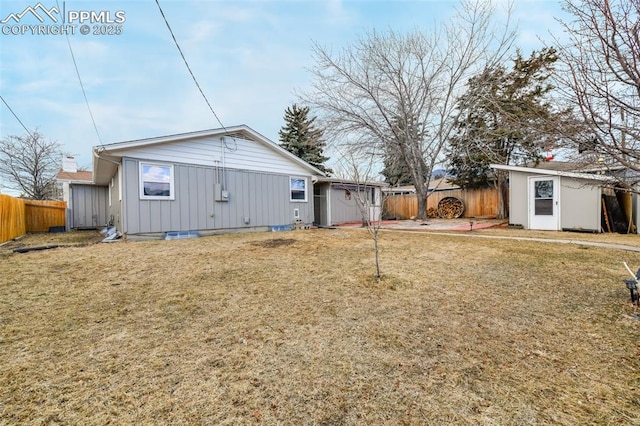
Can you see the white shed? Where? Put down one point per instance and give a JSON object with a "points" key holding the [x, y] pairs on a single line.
{"points": [[545, 199]]}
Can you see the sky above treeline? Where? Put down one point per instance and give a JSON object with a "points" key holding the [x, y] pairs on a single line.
{"points": [[250, 57]]}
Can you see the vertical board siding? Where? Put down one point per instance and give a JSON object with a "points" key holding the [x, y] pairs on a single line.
{"points": [[12, 218], [477, 202], [579, 205], [262, 197], [90, 206], [42, 214], [519, 196], [342, 209]]}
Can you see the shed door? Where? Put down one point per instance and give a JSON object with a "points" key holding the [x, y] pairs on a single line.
{"points": [[544, 209]]}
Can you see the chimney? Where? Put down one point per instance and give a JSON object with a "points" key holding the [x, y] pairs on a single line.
{"points": [[69, 165]]}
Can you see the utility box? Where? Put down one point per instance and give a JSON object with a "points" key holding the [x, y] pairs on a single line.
{"points": [[220, 194]]}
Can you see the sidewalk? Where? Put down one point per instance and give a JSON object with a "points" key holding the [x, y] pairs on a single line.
{"points": [[443, 226], [453, 228]]}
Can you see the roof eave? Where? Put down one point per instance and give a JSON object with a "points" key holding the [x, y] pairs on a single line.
{"points": [[546, 172], [104, 167]]}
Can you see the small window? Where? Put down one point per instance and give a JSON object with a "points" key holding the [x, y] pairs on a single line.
{"points": [[298, 187], [156, 182]]}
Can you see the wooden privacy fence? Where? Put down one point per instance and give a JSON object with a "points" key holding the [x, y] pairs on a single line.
{"points": [[44, 214], [19, 216], [13, 221], [478, 203]]}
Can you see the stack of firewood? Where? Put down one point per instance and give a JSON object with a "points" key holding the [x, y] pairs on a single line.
{"points": [[450, 208]]}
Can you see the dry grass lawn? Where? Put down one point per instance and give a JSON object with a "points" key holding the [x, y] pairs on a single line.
{"points": [[292, 329]]}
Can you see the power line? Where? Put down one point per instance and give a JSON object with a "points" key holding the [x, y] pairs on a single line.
{"points": [[14, 114], [188, 67], [75, 64]]}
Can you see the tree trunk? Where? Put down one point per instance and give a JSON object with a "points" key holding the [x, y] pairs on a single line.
{"points": [[422, 193], [377, 252]]}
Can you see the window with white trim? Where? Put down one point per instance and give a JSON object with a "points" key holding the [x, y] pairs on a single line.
{"points": [[156, 182], [298, 189]]}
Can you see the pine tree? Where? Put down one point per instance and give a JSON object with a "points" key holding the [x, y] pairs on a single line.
{"points": [[396, 169], [300, 137], [505, 117]]}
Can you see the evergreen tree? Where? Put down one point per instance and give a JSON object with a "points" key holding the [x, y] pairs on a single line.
{"points": [[300, 137], [396, 157], [505, 117], [395, 171]]}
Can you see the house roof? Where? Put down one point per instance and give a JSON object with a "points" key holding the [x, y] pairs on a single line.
{"points": [[79, 176], [107, 156], [350, 181], [571, 166], [440, 184], [550, 172]]}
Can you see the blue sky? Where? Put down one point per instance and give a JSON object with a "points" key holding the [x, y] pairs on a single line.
{"points": [[250, 57]]}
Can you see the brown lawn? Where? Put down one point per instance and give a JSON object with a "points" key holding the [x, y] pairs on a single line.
{"points": [[291, 328]]}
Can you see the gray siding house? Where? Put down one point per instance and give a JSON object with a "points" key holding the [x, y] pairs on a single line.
{"points": [[544, 199], [207, 181]]}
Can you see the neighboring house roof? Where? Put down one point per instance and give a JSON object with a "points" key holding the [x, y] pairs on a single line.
{"points": [[405, 189], [563, 166], [106, 157], [81, 176], [549, 172], [440, 184]]}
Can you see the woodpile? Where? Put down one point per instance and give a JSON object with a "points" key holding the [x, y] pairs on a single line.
{"points": [[450, 208]]}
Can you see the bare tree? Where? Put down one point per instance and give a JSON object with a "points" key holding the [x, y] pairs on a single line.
{"points": [[397, 91], [30, 163], [602, 71], [357, 170]]}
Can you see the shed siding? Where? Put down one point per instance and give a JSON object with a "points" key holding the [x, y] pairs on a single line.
{"points": [[579, 202], [262, 198], [344, 210], [89, 206], [240, 154], [518, 199], [580, 205]]}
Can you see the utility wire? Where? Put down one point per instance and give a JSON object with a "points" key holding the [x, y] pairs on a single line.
{"points": [[84, 93], [189, 68], [14, 114]]}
